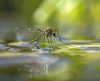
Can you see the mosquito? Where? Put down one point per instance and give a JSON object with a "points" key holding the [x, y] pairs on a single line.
{"points": [[47, 33]]}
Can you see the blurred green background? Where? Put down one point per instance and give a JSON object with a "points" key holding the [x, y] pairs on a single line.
{"points": [[76, 19]]}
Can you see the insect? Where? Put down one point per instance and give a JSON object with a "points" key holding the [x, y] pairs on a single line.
{"points": [[46, 33]]}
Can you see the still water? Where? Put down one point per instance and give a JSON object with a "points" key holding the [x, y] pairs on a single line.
{"points": [[40, 65], [25, 67]]}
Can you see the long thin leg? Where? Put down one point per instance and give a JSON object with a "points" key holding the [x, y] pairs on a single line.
{"points": [[51, 40], [61, 39], [34, 35], [48, 40], [37, 35], [44, 38], [56, 30], [38, 38], [59, 35]]}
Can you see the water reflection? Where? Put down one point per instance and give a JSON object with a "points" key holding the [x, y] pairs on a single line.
{"points": [[41, 65], [91, 70], [25, 67]]}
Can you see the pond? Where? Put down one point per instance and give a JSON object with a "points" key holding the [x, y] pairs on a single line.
{"points": [[24, 67], [17, 65], [26, 62]]}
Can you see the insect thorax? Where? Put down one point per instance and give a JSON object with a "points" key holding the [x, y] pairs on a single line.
{"points": [[48, 31]]}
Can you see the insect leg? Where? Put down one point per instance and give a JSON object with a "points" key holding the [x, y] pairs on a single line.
{"points": [[44, 38], [39, 36], [48, 40], [61, 39], [56, 30], [34, 35], [58, 35], [51, 40]]}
